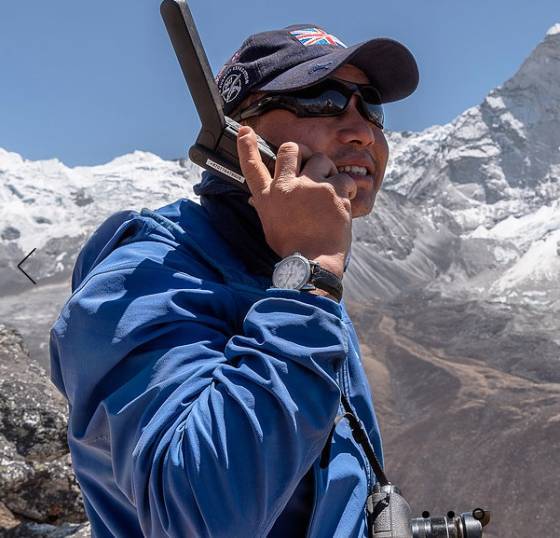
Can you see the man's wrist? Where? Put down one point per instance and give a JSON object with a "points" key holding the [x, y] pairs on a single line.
{"points": [[334, 264]]}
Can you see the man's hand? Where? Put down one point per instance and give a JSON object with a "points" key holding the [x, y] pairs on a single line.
{"points": [[305, 210]]}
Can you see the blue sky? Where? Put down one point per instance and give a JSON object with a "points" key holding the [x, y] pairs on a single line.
{"points": [[85, 82]]}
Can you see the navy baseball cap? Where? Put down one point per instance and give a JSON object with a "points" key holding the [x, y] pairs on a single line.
{"points": [[303, 54]]}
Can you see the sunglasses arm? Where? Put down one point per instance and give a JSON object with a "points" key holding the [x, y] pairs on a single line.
{"points": [[254, 110]]}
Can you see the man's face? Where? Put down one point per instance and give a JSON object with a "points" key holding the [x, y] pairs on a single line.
{"points": [[348, 139]]}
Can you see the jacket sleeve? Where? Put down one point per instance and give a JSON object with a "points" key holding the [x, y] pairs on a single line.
{"points": [[210, 417]]}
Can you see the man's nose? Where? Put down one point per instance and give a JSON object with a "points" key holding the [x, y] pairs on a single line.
{"points": [[354, 127]]}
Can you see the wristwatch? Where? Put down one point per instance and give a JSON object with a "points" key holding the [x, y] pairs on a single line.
{"points": [[296, 272]]}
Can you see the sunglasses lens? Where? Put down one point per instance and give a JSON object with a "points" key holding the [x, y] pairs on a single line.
{"points": [[331, 98], [372, 104], [320, 101], [375, 113]]}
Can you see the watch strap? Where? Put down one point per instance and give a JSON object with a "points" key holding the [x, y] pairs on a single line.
{"points": [[325, 280]]}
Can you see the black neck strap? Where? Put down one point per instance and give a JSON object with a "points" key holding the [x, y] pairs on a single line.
{"points": [[361, 437]]}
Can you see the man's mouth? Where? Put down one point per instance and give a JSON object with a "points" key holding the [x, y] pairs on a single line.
{"points": [[363, 173], [357, 170]]}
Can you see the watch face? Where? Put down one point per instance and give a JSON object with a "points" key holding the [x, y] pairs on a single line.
{"points": [[292, 273]]}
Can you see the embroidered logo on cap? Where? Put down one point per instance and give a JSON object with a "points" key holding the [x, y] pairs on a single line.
{"points": [[232, 82], [316, 36], [232, 88]]}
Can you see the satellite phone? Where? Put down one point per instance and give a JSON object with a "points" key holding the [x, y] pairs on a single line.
{"points": [[215, 148]]}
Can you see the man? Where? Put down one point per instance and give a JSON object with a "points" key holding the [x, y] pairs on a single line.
{"points": [[203, 374]]}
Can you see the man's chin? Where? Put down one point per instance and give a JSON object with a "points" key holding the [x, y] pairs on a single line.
{"points": [[362, 206]]}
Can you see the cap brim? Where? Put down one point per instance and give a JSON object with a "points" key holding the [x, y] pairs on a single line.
{"points": [[388, 64]]}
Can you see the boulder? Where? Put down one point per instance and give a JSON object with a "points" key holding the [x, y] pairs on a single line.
{"points": [[38, 490]]}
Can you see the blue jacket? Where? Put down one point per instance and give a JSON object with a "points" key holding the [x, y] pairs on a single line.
{"points": [[200, 397]]}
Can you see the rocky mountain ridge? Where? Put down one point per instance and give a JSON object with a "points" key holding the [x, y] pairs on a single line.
{"points": [[492, 178]]}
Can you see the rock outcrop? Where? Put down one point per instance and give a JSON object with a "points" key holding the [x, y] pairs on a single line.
{"points": [[38, 491]]}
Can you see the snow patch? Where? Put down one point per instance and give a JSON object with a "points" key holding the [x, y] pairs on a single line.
{"points": [[132, 159], [513, 123], [539, 264], [524, 229], [504, 255], [554, 30], [9, 160]]}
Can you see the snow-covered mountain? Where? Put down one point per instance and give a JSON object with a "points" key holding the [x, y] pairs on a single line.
{"points": [[469, 208], [53, 208], [42, 200], [478, 210]]}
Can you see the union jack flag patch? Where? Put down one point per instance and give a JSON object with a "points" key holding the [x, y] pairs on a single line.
{"points": [[316, 36]]}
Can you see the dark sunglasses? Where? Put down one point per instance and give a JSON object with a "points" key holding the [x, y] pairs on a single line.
{"points": [[327, 98]]}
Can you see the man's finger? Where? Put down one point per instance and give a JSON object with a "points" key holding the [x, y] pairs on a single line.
{"points": [[344, 185], [289, 159], [254, 170], [319, 167]]}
